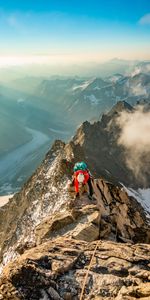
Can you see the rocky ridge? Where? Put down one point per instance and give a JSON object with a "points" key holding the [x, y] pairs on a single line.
{"points": [[52, 237], [62, 245], [64, 242]]}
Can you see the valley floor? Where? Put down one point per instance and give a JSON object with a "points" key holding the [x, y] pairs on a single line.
{"points": [[17, 160]]}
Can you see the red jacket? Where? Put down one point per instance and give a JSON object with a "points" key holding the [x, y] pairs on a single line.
{"points": [[76, 183]]}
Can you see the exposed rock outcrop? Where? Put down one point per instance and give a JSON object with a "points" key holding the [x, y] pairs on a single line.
{"points": [[43, 193], [57, 269], [113, 215], [64, 243], [119, 217]]}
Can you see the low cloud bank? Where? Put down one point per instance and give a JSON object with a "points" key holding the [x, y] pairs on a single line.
{"points": [[135, 138]]}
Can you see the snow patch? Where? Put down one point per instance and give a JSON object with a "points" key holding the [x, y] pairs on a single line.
{"points": [[96, 88], [58, 131], [7, 257], [47, 195], [5, 199], [92, 98], [142, 196], [35, 216], [82, 86], [103, 87], [139, 90], [115, 78]]}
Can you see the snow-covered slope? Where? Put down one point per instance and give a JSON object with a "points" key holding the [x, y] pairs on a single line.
{"points": [[143, 197]]}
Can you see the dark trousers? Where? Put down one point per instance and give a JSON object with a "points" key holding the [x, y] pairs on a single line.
{"points": [[90, 187]]}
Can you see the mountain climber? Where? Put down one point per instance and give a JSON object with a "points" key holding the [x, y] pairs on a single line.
{"points": [[81, 177]]}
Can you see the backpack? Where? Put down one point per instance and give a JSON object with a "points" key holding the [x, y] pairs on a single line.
{"points": [[80, 178], [80, 166]]}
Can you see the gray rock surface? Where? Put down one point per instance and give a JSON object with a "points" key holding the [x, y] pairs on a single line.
{"points": [[57, 269]]}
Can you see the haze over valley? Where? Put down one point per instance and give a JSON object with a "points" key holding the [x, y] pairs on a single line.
{"points": [[36, 110]]}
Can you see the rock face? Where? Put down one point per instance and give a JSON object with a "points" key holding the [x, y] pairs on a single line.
{"points": [[45, 211], [113, 215], [52, 237], [63, 244], [57, 269], [99, 144], [39, 197]]}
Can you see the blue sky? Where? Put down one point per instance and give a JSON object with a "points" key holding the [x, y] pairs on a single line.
{"points": [[90, 30]]}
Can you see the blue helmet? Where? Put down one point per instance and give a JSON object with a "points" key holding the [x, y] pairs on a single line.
{"points": [[80, 166]]}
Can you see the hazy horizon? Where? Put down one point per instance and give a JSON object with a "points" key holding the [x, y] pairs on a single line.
{"points": [[62, 60]]}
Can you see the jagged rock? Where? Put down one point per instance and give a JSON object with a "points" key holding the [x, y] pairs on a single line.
{"points": [[119, 107], [53, 294], [105, 229], [52, 225], [23, 246], [88, 232], [142, 291], [43, 193], [58, 268], [85, 220], [125, 214], [119, 217]]}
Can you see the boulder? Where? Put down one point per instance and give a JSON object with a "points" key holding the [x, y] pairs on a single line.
{"points": [[87, 232]]}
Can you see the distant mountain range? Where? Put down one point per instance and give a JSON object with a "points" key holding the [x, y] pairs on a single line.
{"points": [[54, 107], [89, 69], [86, 99]]}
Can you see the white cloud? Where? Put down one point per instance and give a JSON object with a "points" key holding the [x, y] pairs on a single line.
{"points": [[135, 138], [139, 90], [145, 20]]}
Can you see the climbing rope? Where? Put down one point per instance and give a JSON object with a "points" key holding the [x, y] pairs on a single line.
{"points": [[89, 267]]}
